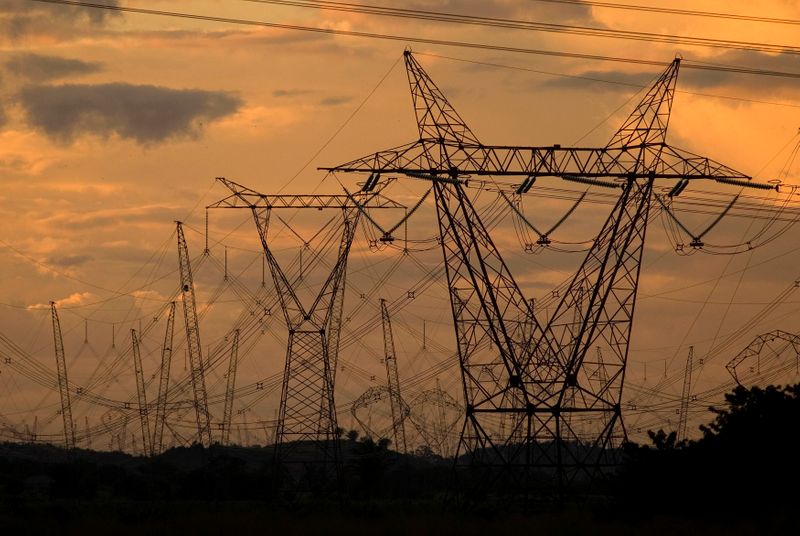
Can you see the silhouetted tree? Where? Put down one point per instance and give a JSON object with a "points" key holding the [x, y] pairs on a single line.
{"points": [[746, 457]]}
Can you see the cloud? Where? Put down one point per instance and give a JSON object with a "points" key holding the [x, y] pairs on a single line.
{"points": [[333, 101], [702, 79], [38, 68], [23, 18], [68, 261], [143, 113], [291, 92], [107, 218], [601, 80], [76, 298], [690, 78], [506, 9]]}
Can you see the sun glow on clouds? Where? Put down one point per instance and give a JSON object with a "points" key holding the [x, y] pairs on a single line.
{"points": [[76, 298]]}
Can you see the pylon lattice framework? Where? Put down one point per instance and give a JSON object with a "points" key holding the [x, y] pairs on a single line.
{"points": [[564, 419], [307, 410]]}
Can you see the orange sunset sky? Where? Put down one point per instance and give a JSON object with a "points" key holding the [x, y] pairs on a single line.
{"points": [[115, 124]]}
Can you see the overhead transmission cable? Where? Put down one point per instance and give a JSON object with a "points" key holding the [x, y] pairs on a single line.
{"points": [[673, 11], [517, 24], [422, 40], [595, 78]]}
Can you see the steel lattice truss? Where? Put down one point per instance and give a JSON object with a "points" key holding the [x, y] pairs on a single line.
{"points": [[563, 405], [754, 349], [307, 426]]}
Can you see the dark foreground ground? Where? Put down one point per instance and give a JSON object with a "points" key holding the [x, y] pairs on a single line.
{"points": [[741, 477], [254, 518], [46, 490]]}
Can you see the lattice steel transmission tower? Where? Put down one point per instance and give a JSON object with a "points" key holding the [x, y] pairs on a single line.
{"points": [[63, 382], [771, 345], [399, 408], [193, 342], [229, 390], [163, 383], [147, 439], [307, 429], [686, 393], [511, 363]]}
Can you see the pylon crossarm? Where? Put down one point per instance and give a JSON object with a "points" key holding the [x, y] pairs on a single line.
{"points": [[244, 197], [639, 161]]}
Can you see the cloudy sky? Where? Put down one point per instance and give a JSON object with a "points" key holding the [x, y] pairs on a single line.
{"points": [[115, 124]]}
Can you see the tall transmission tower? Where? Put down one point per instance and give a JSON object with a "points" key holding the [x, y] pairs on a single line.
{"points": [[229, 390], [163, 383], [399, 408], [686, 393], [539, 371], [147, 439], [193, 341], [63, 382], [307, 410]]}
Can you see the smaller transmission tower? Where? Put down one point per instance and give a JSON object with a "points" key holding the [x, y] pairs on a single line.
{"points": [[147, 443], [307, 433], [393, 381], [63, 383], [163, 384], [228, 413], [685, 394], [193, 342]]}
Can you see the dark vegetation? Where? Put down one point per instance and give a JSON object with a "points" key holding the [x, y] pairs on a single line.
{"points": [[740, 477]]}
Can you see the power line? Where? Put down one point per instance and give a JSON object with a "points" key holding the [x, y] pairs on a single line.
{"points": [[604, 80], [517, 24], [673, 11], [420, 40]]}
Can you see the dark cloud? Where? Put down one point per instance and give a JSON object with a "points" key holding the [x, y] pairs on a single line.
{"points": [[146, 114], [38, 68], [334, 101], [21, 18], [501, 9], [601, 80], [105, 219], [701, 79], [69, 261], [291, 92], [698, 79]]}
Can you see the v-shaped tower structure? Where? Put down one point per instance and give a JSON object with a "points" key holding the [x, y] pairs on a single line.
{"points": [[307, 434], [564, 405]]}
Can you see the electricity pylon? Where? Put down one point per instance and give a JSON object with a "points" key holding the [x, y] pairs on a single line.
{"points": [[147, 439], [686, 393], [307, 411], [761, 344], [193, 342], [63, 382], [399, 408], [230, 388], [163, 383], [510, 363]]}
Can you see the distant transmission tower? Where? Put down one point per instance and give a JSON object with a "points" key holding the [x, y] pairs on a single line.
{"points": [[163, 383], [229, 390], [147, 439], [686, 393], [399, 408], [63, 382], [307, 413], [193, 342]]}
